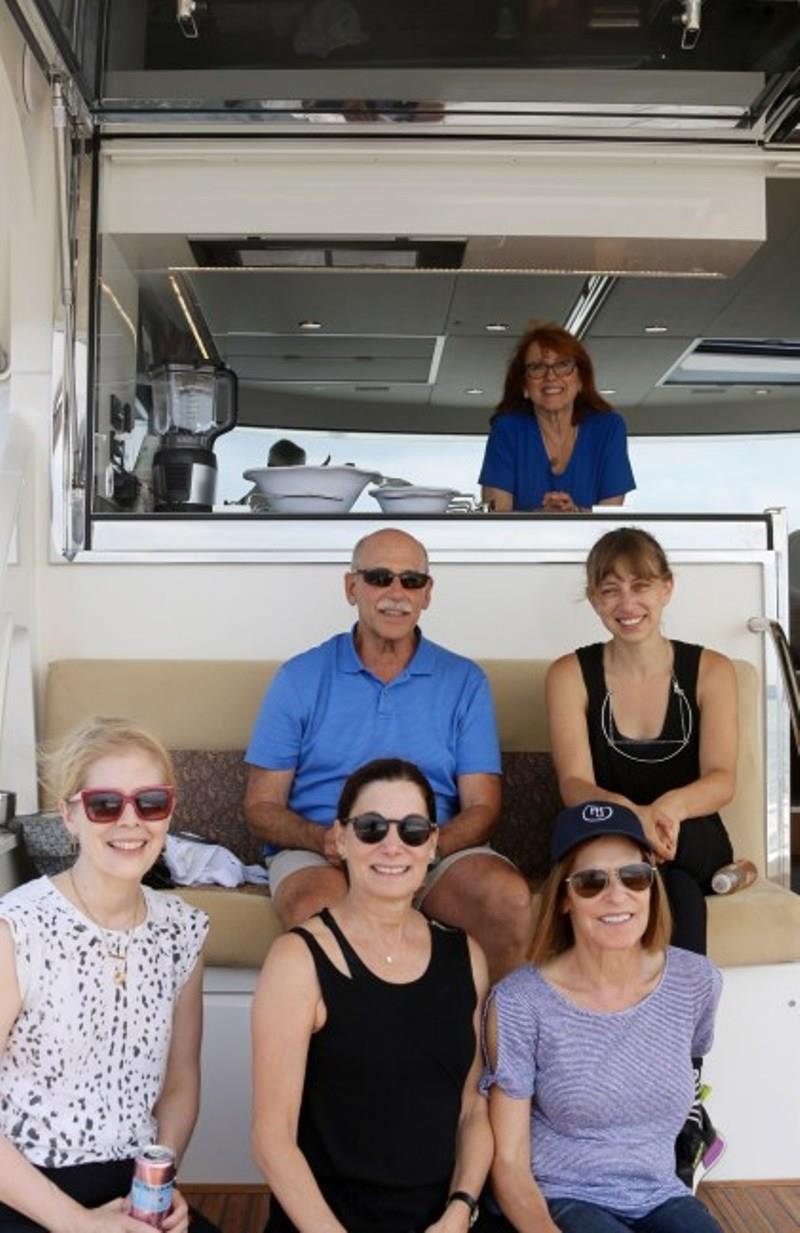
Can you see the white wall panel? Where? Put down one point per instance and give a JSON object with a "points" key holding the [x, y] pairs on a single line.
{"points": [[232, 611], [429, 188]]}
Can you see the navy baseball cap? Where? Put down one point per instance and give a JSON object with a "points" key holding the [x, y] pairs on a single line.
{"points": [[580, 823]]}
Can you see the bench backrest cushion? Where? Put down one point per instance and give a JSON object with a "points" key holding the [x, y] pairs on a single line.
{"points": [[210, 705]]}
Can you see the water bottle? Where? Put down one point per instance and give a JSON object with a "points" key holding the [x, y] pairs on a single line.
{"points": [[734, 877]]}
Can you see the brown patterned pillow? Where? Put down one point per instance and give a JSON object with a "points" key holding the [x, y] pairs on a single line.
{"points": [[209, 797], [530, 803]]}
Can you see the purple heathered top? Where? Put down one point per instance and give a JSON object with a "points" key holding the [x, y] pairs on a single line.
{"points": [[612, 1089]]}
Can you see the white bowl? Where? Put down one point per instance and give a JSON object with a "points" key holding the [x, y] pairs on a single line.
{"points": [[306, 503], [337, 488], [413, 499]]}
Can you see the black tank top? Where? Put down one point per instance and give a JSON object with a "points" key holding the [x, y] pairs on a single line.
{"points": [[644, 770], [383, 1086]]}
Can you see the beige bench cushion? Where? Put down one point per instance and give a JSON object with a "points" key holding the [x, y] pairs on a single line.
{"points": [[243, 924], [757, 925], [211, 705]]}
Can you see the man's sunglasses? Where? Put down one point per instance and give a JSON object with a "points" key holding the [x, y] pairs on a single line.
{"points": [[410, 579], [587, 883], [108, 805], [413, 830]]}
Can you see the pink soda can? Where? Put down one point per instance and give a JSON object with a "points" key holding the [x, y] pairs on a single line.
{"points": [[153, 1182]]}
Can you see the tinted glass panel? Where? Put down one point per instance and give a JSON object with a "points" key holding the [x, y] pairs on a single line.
{"points": [[369, 61]]}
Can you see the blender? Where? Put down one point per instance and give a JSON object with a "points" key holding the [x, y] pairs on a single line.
{"points": [[193, 404]]}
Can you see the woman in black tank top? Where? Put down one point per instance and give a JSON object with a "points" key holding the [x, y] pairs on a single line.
{"points": [[366, 1108], [649, 723]]}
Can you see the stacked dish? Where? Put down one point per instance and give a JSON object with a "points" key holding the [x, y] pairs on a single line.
{"points": [[311, 490], [413, 499]]}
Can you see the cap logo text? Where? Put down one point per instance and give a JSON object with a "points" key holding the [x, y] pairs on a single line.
{"points": [[597, 813]]}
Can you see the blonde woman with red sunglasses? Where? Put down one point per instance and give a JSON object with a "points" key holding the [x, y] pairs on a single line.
{"points": [[100, 999]]}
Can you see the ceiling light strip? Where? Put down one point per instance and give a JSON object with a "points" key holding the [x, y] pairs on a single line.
{"points": [[190, 321], [555, 271], [124, 317]]}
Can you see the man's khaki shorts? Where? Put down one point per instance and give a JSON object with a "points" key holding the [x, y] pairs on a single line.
{"points": [[291, 860]]}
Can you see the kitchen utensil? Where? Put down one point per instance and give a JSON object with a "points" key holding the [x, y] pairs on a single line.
{"points": [[305, 503], [193, 404], [342, 485], [413, 499]]}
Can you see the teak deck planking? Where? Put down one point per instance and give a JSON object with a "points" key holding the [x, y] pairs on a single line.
{"points": [[740, 1207]]}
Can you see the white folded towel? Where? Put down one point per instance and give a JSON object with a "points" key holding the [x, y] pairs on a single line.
{"points": [[192, 861]]}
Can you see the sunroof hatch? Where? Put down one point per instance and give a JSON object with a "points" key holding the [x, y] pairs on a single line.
{"points": [[738, 361]]}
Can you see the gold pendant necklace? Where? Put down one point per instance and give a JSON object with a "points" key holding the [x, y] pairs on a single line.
{"points": [[116, 949], [558, 449]]}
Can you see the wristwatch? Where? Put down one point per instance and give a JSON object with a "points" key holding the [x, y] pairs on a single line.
{"points": [[471, 1202]]}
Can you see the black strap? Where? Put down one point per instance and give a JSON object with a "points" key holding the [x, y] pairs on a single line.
{"points": [[462, 1196], [351, 958]]}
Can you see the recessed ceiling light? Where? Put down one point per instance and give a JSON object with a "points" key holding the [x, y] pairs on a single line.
{"points": [[655, 329], [605, 393], [309, 325], [473, 389], [762, 393], [496, 327]]}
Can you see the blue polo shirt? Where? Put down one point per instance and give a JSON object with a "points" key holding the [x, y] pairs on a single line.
{"points": [[517, 462], [325, 715]]}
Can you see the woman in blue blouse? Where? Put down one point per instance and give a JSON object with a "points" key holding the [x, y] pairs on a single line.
{"points": [[555, 444]]}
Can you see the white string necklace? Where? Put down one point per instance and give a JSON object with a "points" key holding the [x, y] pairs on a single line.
{"points": [[115, 942], [616, 742]]}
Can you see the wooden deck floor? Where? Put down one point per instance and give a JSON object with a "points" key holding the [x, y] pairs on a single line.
{"points": [[740, 1207]]}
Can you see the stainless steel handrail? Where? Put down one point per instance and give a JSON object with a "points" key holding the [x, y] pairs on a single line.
{"points": [[763, 625]]}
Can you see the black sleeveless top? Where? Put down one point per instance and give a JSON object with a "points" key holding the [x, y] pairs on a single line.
{"points": [[644, 770], [384, 1081]]}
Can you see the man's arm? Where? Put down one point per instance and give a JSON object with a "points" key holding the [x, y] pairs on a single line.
{"points": [[270, 819], [480, 798]]}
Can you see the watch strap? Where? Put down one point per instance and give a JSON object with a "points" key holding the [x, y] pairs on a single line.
{"points": [[463, 1196]]}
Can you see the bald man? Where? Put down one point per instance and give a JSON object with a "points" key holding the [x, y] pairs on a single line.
{"points": [[384, 690]]}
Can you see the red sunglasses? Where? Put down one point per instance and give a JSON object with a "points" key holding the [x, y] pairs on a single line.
{"points": [[108, 804]]}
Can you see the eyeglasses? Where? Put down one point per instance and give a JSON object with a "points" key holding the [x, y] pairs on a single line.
{"points": [[410, 579], [413, 830], [108, 805], [538, 371], [587, 883]]}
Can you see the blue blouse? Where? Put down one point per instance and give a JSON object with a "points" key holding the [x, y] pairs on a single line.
{"points": [[517, 462]]}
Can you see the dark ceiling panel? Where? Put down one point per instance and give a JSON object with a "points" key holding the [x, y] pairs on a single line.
{"points": [[513, 299], [632, 367], [275, 303], [684, 306]]}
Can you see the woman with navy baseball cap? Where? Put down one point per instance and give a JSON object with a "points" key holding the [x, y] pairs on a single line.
{"points": [[589, 1047]]}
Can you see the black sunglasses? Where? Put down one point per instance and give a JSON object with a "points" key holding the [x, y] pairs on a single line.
{"points": [[410, 579], [108, 804], [587, 883], [413, 830]]}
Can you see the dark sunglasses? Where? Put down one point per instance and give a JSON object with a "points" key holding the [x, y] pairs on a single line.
{"points": [[410, 579], [108, 805], [587, 883], [414, 830]]}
